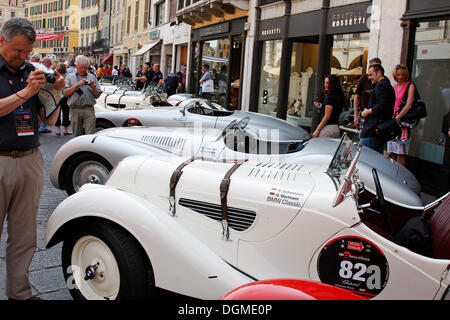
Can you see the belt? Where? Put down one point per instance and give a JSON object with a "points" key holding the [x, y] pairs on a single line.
{"points": [[17, 154]]}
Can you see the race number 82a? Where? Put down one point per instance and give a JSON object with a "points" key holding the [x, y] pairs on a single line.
{"points": [[355, 264]]}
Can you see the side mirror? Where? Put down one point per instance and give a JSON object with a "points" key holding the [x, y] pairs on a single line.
{"points": [[183, 111]]}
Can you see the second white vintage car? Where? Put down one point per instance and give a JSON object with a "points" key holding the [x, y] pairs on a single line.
{"points": [[202, 227]]}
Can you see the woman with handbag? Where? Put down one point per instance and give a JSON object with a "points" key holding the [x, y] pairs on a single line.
{"points": [[404, 98], [330, 109]]}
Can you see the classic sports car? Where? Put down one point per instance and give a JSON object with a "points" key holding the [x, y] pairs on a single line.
{"points": [[90, 158], [123, 98], [188, 111], [201, 228], [289, 289]]}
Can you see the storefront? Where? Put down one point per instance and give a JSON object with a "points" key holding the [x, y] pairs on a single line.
{"points": [[221, 46], [306, 50], [426, 52]]}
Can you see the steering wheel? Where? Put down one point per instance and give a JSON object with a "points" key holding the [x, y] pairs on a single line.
{"points": [[379, 203]]}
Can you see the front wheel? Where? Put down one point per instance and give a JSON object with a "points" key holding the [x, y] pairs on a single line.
{"points": [[86, 168], [103, 262]]}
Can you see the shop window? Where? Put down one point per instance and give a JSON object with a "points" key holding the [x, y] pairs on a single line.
{"points": [[302, 83], [349, 62], [160, 11], [430, 140], [270, 77], [216, 56]]}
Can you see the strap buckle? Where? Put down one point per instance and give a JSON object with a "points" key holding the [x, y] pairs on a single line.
{"points": [[225, 230], [172, 205]]}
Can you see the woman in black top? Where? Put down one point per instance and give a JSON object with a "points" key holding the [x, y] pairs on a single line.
{"points": [[330, 109]]}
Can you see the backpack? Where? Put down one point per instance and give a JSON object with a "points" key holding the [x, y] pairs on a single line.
{"points": [[418, 109]]}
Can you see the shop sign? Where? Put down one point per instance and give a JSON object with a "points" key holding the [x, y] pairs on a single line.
{"points": [[215, 29], [154, 34], [271, 29], [347, 19]]}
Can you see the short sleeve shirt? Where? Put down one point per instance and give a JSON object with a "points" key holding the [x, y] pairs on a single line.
{"points": [[9, 84], [156, 77], [337, 109], [87, 98], [206, 76]]}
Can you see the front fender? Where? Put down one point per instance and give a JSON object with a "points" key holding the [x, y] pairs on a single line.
{"points": [[111, 149], [181, 263]]}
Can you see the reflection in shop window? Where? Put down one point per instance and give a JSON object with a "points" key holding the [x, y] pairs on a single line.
{"points": [[302, 83], [270, 76], [216, 53], [430, 140], [349, 63]]}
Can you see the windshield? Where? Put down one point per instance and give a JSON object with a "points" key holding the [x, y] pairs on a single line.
{"points": [[342, 158]]}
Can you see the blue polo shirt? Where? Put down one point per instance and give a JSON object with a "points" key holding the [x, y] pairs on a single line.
{"points": [[9, 84]]}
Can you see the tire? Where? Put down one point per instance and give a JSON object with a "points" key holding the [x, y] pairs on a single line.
{"points": [[123, 271], [101, 124], [86, 168]]}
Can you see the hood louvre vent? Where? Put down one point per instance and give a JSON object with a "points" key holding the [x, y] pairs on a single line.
{"points": [[276, 171], [162, 141], [238, 219]]}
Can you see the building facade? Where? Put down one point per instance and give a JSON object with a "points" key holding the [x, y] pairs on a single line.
{"points": [[425, 50], [297, 43], [89, 13], [10, 9], [57, 24], [219, 37]]}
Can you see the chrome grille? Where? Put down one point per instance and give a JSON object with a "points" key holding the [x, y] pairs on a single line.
{"points": [[238, 219]]}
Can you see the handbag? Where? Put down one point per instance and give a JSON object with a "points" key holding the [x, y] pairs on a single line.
{"points": [[208, 86], [418, 109], [388, 130]]}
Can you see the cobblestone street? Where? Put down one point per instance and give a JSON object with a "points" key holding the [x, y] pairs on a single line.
{"points": [[46, 276]]}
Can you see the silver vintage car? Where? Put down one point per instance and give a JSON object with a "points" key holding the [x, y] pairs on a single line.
{"points": [[187, 112], [90, 158]]}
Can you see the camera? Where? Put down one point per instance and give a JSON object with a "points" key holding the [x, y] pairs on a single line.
{"points": [[87, 82], [50, 77]]}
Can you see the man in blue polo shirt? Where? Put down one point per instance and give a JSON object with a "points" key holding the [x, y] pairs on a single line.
{"points": [[143, 76], [21, 164]]}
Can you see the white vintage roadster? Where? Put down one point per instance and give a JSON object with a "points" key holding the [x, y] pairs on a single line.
{"points": [[202, 227]]}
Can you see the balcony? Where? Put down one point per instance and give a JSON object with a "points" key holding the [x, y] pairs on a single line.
{"points": [[61, 29], [200, 11], [60, 50]]}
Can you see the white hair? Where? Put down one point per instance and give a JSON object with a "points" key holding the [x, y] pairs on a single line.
{"points": [[82, 60]]}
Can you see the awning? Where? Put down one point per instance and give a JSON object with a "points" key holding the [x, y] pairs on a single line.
{"points": [[145, 48], [108, 59]]}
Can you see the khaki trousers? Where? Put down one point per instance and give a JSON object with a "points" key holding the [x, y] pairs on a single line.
{"points": [[330, 131], [83, 120], [21, 183]]}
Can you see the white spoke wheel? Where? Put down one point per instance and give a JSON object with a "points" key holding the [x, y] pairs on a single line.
{"points": [[86, 168], [101, 261]]}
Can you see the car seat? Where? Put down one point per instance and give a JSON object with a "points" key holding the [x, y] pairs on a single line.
{"points": [[439, 224]]}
